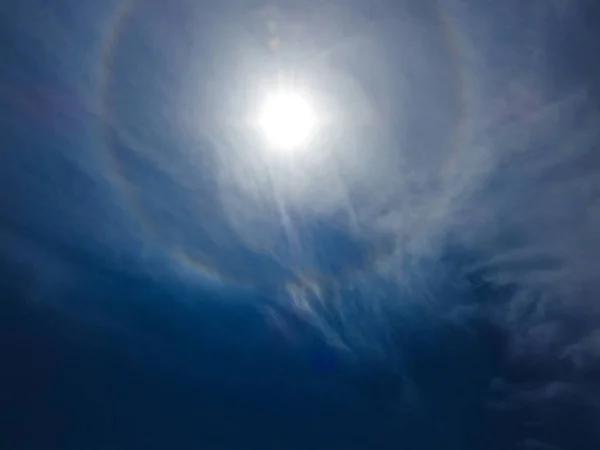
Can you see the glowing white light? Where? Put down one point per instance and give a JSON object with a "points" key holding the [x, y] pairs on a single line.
{"points": [[287, 120]]}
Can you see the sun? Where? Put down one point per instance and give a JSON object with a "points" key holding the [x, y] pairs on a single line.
{"points": [[287, 120]]}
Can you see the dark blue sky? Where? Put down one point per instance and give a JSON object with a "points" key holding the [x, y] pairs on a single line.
{"points": [[424, 278]]}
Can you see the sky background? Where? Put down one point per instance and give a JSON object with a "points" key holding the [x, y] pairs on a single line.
{"points": [[425, 277]]}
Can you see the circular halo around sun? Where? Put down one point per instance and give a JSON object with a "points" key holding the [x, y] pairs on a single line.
{"points": [[287, 120]]}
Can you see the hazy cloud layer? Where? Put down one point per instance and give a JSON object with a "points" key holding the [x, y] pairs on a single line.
{"points": [[460, 196]]}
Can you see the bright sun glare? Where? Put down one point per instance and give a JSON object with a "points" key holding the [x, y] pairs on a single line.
{"points": [[287, 120]]}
